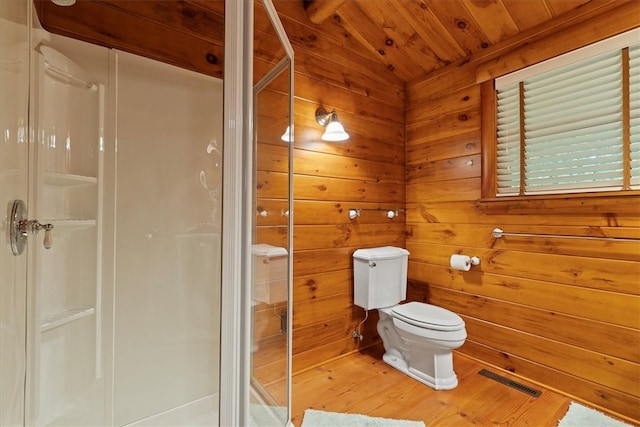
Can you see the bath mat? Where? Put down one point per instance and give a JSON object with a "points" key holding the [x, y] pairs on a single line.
{"points": [[314, 418], [581, 416]]}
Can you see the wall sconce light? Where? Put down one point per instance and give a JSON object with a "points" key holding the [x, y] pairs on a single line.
{"points": [[287, 136], [335, 131]]}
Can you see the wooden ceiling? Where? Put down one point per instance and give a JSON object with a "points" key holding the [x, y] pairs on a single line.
{"points": [[415, 37], [408, 38]]}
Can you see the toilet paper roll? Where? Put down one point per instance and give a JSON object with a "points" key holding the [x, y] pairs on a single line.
{"points": [[460, 262]]}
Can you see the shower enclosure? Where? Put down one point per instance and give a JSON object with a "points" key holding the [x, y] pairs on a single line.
{"points": [[111, 259]]}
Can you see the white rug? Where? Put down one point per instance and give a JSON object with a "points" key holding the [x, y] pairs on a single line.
{"points": [[581, 416], [314, 418]]}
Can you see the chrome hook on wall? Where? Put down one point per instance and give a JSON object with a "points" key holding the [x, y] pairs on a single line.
{"points": [[389, 213], [354, 213]]}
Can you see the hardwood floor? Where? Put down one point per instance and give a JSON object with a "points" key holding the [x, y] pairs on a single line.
{"points": [[362, 383]]}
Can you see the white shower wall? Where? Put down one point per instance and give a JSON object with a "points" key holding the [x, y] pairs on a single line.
{"points": [[167, 296], [156, 332]]}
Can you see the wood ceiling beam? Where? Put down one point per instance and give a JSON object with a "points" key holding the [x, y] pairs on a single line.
{"points": [[319, 10]]}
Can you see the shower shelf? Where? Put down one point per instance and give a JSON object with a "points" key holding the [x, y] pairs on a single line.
{"points": [[57, 179], [56, 320]]}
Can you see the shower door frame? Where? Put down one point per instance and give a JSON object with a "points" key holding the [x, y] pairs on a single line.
{"points": [[233, 342], [284, 65], [237, 215]]}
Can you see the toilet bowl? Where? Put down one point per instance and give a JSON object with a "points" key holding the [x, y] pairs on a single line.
{"points": [[420, 346], [418, 338]]}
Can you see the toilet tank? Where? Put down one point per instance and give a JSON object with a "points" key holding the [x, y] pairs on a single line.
{"points": [[379, 277], [270, 273]]}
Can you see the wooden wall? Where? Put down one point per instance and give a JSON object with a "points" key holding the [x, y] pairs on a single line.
{"points": [[562, 312], [367, 172]]}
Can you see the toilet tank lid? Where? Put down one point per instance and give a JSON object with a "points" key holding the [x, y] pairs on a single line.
{"points": [[267, 250], [385, 252], [430, 316]]}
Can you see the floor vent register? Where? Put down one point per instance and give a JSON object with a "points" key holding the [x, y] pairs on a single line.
{"points": [[510, 383]]}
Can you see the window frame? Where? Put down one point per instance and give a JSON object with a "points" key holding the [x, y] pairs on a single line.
{"points": [[489, 188]]}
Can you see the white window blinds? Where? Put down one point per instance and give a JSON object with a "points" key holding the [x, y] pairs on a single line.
{"points": [[634, 113], [560, 129], [508, 154]]}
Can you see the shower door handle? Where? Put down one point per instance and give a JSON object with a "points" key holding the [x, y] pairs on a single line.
{"points": [[20, 227]]}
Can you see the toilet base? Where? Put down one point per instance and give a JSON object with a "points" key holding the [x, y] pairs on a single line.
{"points": [[436, 383]]}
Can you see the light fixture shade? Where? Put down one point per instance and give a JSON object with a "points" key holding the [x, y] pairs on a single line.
{"points": [[287, 136], [335, 132]]}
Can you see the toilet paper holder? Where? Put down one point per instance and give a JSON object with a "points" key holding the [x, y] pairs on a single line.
{"points": [[463, 262]]}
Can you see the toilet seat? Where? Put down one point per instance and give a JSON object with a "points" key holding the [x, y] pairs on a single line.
{"points": [[428, 316]]}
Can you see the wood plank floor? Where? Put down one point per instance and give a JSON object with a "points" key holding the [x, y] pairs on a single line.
{"points": [[362, 383]]}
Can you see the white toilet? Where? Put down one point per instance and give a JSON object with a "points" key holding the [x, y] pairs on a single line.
{"points": [[418, 338]]}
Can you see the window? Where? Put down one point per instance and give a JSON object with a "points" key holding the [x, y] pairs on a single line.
{"points": [[571, 124]]}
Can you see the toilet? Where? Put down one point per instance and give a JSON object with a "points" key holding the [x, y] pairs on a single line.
{"points": [[270, 264], [270, 273], [418, 338]]}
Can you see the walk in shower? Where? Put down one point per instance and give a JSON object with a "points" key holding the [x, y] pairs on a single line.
{"points": [[111, 257]]}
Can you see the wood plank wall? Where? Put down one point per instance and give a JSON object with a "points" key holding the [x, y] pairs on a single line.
{"points": [[367, 172], [562, 312]]}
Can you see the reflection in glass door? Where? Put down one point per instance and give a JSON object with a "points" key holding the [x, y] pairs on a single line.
{"points": [[272, 235]]}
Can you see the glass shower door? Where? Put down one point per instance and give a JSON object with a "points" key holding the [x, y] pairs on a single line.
{"points": [[50, 333], [14, 96], [272, 235], [48, 294]]}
